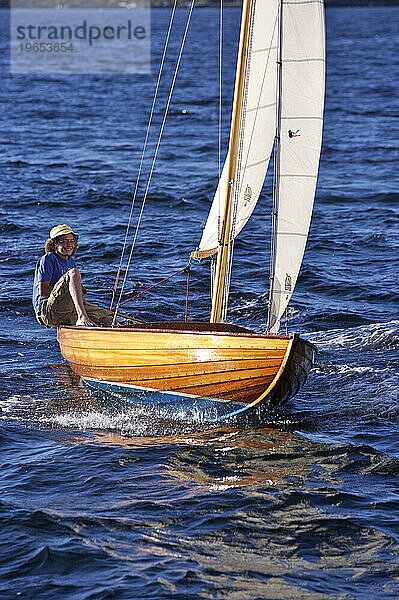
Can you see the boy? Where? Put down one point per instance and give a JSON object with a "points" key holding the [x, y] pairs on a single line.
{"points": [[57, 287]]}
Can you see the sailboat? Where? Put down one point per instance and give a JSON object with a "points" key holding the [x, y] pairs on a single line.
{"points": [[277, 111]]}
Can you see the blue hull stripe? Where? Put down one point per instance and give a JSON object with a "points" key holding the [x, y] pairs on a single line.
{"points": [[173, 401]]}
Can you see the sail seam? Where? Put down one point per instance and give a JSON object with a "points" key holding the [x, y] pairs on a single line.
{"points": [[239, 170], [302, 117], [266, 49], [255, 164], [301, 60], [256, 108], [304, 2], [292, 233], [297, 175]]}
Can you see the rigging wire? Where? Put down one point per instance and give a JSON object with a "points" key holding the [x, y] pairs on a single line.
{"points": [[220, 111], [143, 151], [155, 157], [187, 285], [238, 178], [240, 168], [212, 274], [260, 94], [155, 285], [276, 174]]}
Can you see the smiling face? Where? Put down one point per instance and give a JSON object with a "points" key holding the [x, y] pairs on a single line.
{"points": [[65, 246]]}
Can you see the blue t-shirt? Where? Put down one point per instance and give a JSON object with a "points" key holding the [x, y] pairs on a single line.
{"points": [[49, 268]]}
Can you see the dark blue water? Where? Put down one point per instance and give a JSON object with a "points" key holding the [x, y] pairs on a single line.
{"points": [[99, 502]]}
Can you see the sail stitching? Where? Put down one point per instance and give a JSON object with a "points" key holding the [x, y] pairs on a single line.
{"points": [[292, 233], [297, 175], [302, 60], [256, 164], [302, 117], [287, 2], [291, 243], [266, 49], [256, 108], [238, 178], [260, 95]]}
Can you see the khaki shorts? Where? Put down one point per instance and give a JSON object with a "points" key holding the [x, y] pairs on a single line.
{"points": [[59, 308]]}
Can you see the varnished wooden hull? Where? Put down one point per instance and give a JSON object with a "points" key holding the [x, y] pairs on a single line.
{"points": [[223, 364]]}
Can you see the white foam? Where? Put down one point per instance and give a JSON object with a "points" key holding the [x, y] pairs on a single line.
{"points": [[12, 406], [366, 337]]}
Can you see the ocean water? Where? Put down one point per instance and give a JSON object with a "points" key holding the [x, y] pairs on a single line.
{"points": [[100, 501]]}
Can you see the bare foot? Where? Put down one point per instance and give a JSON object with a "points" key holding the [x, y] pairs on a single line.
{"points": [[85, 322]]}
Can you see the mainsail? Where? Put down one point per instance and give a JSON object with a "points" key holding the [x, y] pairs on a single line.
{"points": [[282, 103], [301, 123], [257, 126]]}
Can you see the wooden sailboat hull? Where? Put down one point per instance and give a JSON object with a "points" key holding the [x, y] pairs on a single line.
{"points": [[226, 366]]}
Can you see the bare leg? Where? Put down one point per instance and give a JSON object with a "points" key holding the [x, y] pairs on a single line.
{"points": [[75, 289]]}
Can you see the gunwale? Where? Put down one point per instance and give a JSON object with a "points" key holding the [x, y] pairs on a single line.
{"points": [[176, 327]]}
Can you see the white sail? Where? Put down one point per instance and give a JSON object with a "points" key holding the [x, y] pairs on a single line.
{"points": [[257, 127], [302, 103]]}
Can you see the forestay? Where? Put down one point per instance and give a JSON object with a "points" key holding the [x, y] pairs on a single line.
{"points": [[257, 126], [302, 102]]}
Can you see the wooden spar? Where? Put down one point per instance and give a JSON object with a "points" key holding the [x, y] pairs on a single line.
{"points": [[225, 234], [200, 254]]}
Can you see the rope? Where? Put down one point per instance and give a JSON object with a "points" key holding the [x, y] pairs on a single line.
{"points": [[213, 273], [238, 177], [152, 286], [238, 188], [155, 155], [276, 175], [143, 152], [188, 281], [220, 111], [260, 93]]}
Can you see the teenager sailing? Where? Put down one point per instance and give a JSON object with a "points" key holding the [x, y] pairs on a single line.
{"points": [[58, 293]]}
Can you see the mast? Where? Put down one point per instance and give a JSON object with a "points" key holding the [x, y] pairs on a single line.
{"points": [[225, 233], [277, 168]]}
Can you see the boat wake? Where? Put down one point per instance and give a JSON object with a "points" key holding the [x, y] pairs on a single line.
{"points": [[361, 390]]}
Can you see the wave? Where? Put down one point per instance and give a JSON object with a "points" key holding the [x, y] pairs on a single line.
{"points": [[376, 336]]}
